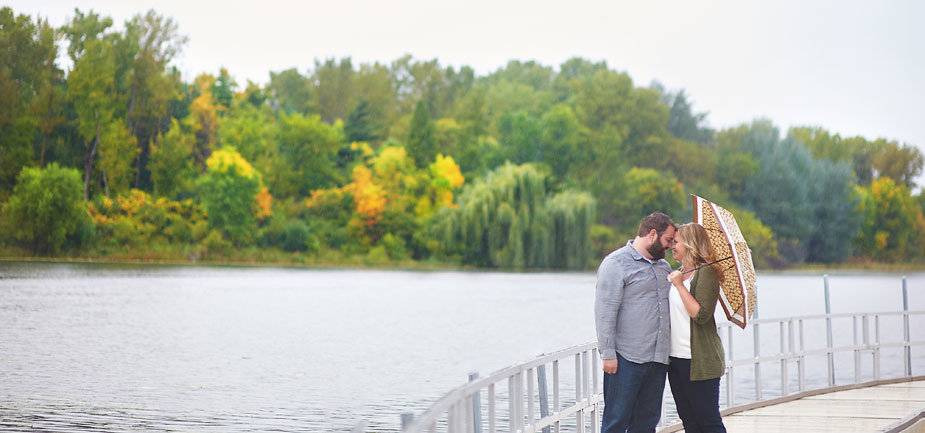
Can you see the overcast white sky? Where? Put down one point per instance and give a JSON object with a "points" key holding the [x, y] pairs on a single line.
{"points": [[853, 67]]}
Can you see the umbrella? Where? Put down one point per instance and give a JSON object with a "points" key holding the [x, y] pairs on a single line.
{"points": [[737, 295]]}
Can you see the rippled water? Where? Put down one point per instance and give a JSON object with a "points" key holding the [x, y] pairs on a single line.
{"points": [[174, 348]]}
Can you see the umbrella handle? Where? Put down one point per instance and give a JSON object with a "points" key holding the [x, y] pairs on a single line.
{"points": [[708, 264]]}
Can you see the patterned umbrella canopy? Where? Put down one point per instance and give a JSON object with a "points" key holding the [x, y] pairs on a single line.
{"points": [[738, 295]]}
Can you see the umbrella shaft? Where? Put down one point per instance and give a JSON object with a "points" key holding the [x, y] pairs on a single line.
{"points": [[708, 264]]}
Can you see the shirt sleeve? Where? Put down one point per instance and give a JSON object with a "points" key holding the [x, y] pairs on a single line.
{"points": [[706, 294], [607, 299]]}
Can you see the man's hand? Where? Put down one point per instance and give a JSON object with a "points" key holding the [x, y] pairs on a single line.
{"points": [[610, 366]]}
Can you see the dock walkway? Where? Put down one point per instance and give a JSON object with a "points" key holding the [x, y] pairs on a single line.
{"points": [[884, 406]]}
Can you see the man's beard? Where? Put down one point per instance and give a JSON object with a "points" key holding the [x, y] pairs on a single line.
{"points": [[656, 250]]}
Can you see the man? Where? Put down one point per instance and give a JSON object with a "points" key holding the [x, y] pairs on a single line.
{"points": [[631, 316]]}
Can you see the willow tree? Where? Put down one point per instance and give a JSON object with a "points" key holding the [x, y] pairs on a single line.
{"points": [[508, 219]]}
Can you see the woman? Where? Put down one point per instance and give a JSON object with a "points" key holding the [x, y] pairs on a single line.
{"points": [[696, 354]]}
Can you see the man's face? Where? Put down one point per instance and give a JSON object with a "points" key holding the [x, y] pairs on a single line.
{"points": [[662, 243]]}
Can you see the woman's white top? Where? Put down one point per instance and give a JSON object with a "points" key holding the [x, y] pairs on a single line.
{"points": [[680, 323]]}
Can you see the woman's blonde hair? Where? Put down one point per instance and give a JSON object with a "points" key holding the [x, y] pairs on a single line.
{"points": [[699, 249]]}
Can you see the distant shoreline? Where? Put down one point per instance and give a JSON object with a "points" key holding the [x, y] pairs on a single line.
{"points": [[409, 265]]}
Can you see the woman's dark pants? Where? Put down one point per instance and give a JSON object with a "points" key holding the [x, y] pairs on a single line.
{"points": [[697, 401]]}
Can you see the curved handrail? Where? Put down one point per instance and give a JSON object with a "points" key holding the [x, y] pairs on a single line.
{"points": [[460, 410]]}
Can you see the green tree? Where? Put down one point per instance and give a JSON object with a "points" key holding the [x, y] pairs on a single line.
{"points": [[519, 135], [564, 142], [333, 92], [171, 160], [46, 208], [90, 88], [290, 92], [422, 143], [360, 126], [508, 219], [228, 191], [307, 153], [893, 224], [646, 191], [27, 79]]}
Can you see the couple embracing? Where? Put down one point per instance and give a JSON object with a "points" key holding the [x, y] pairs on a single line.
{"points": [[652, 321]]}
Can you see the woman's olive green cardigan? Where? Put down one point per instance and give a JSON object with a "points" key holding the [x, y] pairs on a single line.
{"points": [[707, 356]]}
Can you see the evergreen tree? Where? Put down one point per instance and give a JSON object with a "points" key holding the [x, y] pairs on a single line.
{"points": [[422, 141], [360, 125]]}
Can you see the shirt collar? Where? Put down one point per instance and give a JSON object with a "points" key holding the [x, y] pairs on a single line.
{"points": [[635, 254]]}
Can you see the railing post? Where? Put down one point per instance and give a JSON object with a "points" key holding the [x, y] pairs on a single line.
{"points": [[595, 388], [476, 405], [876, 347], [511, 404], [555, 392], [757, 356], [828, 332], [730, 376], [492, 411], [544, 393], [802, 371], [865, 327], [906, 338], [579, 392], [783, 361], [406, 419], [531, 388], [857, 351]]}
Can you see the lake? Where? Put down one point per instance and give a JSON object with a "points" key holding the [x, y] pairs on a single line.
{"points": [[99, 347]]}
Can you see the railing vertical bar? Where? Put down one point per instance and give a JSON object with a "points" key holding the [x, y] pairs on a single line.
{"points": [[492, 411], [756, 362], [531, 407], [451, 419], [730, 378], [406, 419], [579, 419], [783, 360], [461, 415], [543, 390], [585, 375], [857, 351], [877, 347], [828, 331], [802, 371], [908, 349], [511, 404], [595, 374], [595, 386], [476, 410], [520, 400], [791, 347], [865, 326], [555, 393]]}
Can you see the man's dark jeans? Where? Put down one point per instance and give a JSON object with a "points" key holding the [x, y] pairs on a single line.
{"points": [[633, 397], [697, 401]]}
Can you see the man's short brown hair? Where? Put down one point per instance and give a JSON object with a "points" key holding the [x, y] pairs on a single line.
{"points": [[657, 221]]}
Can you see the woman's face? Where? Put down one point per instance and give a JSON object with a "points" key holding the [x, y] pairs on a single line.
{"points": [[679, 249]]}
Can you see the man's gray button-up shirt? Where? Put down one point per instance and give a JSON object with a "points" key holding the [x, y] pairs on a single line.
{"points": [[631, 307]]}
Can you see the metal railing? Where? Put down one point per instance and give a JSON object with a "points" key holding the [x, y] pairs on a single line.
{"points": [[463, 409], [521, 410]]}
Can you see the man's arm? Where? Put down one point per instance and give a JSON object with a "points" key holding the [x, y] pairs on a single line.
{"points": [[607, 298]]}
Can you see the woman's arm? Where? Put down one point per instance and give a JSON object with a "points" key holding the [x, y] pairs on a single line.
{"points": [[690, 303], [707, 292]]}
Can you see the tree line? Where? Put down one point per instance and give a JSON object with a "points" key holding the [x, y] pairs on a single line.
{"points": [[530, 166]]}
